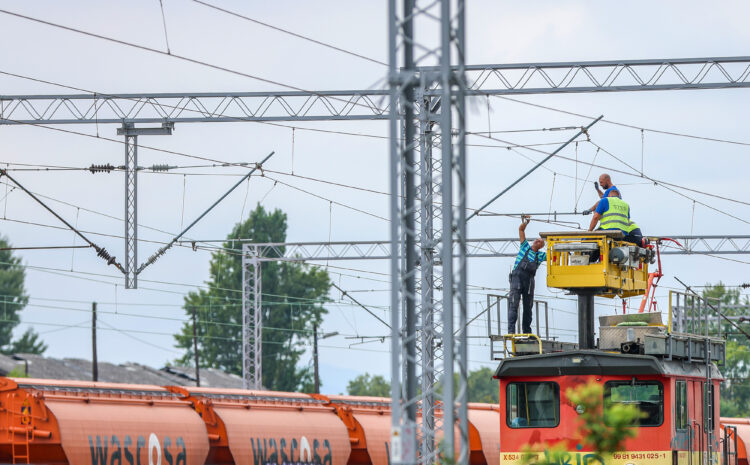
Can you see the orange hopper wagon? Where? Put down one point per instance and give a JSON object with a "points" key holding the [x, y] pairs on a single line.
{"points": [[60, 422], [742, 429], [262, 427]]}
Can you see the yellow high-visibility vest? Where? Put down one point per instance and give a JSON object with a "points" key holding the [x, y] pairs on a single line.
{"points": [[617, 216]]}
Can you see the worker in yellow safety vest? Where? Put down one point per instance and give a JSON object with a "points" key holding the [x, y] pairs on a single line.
{"points": [[614, 213]]}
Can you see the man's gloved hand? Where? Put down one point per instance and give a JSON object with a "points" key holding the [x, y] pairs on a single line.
{"points": [[586, 212]]}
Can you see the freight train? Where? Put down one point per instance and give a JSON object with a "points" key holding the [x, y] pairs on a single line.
{"points": [[74, 422]]}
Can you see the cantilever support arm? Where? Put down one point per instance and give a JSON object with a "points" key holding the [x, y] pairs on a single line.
{"points": [[344, 293], [162, 250], [100, 251], [582, 131]]}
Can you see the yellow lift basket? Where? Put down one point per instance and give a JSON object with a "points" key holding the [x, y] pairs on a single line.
{"points": [[621, 269]]}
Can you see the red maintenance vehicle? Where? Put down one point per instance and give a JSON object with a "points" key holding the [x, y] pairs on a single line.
{"points": [[667, 370]]}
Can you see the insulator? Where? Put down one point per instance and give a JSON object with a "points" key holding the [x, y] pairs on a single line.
{"points": [[162, 167], [102, 252], [101, 168]]}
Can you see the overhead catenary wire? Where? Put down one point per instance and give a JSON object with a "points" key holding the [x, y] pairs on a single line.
{"points": [[164, 23], [173, 55], [385, 137], [163, 249], [626, 125], [582, 131], [48, 247], [291, 33], [346, 294], [669, 188], [635, 173]]}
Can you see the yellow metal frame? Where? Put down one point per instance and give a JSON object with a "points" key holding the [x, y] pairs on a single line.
{"points": [[513, 338], [612, 279]]}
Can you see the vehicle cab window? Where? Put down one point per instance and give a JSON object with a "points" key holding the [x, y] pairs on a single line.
{"points": [[532, 405], [648, 396], [680, 405]]}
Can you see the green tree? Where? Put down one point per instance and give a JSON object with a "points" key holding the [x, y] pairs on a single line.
{"points": [[28, 343], [725, 295], [483, 387], [13, 295], [735, 390], [369, 385], [293, 298]]}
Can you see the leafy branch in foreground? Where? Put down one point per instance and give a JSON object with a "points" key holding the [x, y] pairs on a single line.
{"points": [[594, 433]]}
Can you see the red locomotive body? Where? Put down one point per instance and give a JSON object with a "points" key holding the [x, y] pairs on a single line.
{"points": [[678, 400]]}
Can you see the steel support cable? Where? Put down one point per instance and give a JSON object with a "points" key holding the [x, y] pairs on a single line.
{"points": [[582, 131], [626, 125], [100, 251], [183, 58], [294, 34]]}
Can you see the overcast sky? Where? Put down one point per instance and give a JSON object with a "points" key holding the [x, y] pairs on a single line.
{"points": [[62, 283]]}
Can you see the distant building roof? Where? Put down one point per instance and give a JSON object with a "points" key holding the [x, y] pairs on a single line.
{"points": [[37, 366]]}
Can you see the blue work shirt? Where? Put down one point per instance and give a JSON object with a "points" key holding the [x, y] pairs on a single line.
{"points": [[533, 256], [613, 188]]}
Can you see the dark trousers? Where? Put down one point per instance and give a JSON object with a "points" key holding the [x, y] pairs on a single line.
{"points": [[634, 237], [521, 288]]}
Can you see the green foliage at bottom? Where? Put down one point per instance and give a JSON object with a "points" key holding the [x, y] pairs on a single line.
{"points": [[600, 436]]}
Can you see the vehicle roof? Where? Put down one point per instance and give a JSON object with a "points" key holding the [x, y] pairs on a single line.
{"points": [[595, 362]]}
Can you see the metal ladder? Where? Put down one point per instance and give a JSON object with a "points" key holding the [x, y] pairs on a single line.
{"points": [[19, 433]]}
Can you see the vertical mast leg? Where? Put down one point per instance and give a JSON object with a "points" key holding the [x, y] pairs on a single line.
{"points": [[131, 209]]}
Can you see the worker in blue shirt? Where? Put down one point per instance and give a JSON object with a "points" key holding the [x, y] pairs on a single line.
{"points": [[614, 213], [606, 182], [522, 279]]}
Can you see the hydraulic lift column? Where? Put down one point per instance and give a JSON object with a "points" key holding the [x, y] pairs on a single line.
{"points": [[586, 330]]}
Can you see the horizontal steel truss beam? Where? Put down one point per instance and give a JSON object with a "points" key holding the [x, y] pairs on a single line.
{"points": [[476, 248], [497, 79]]}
